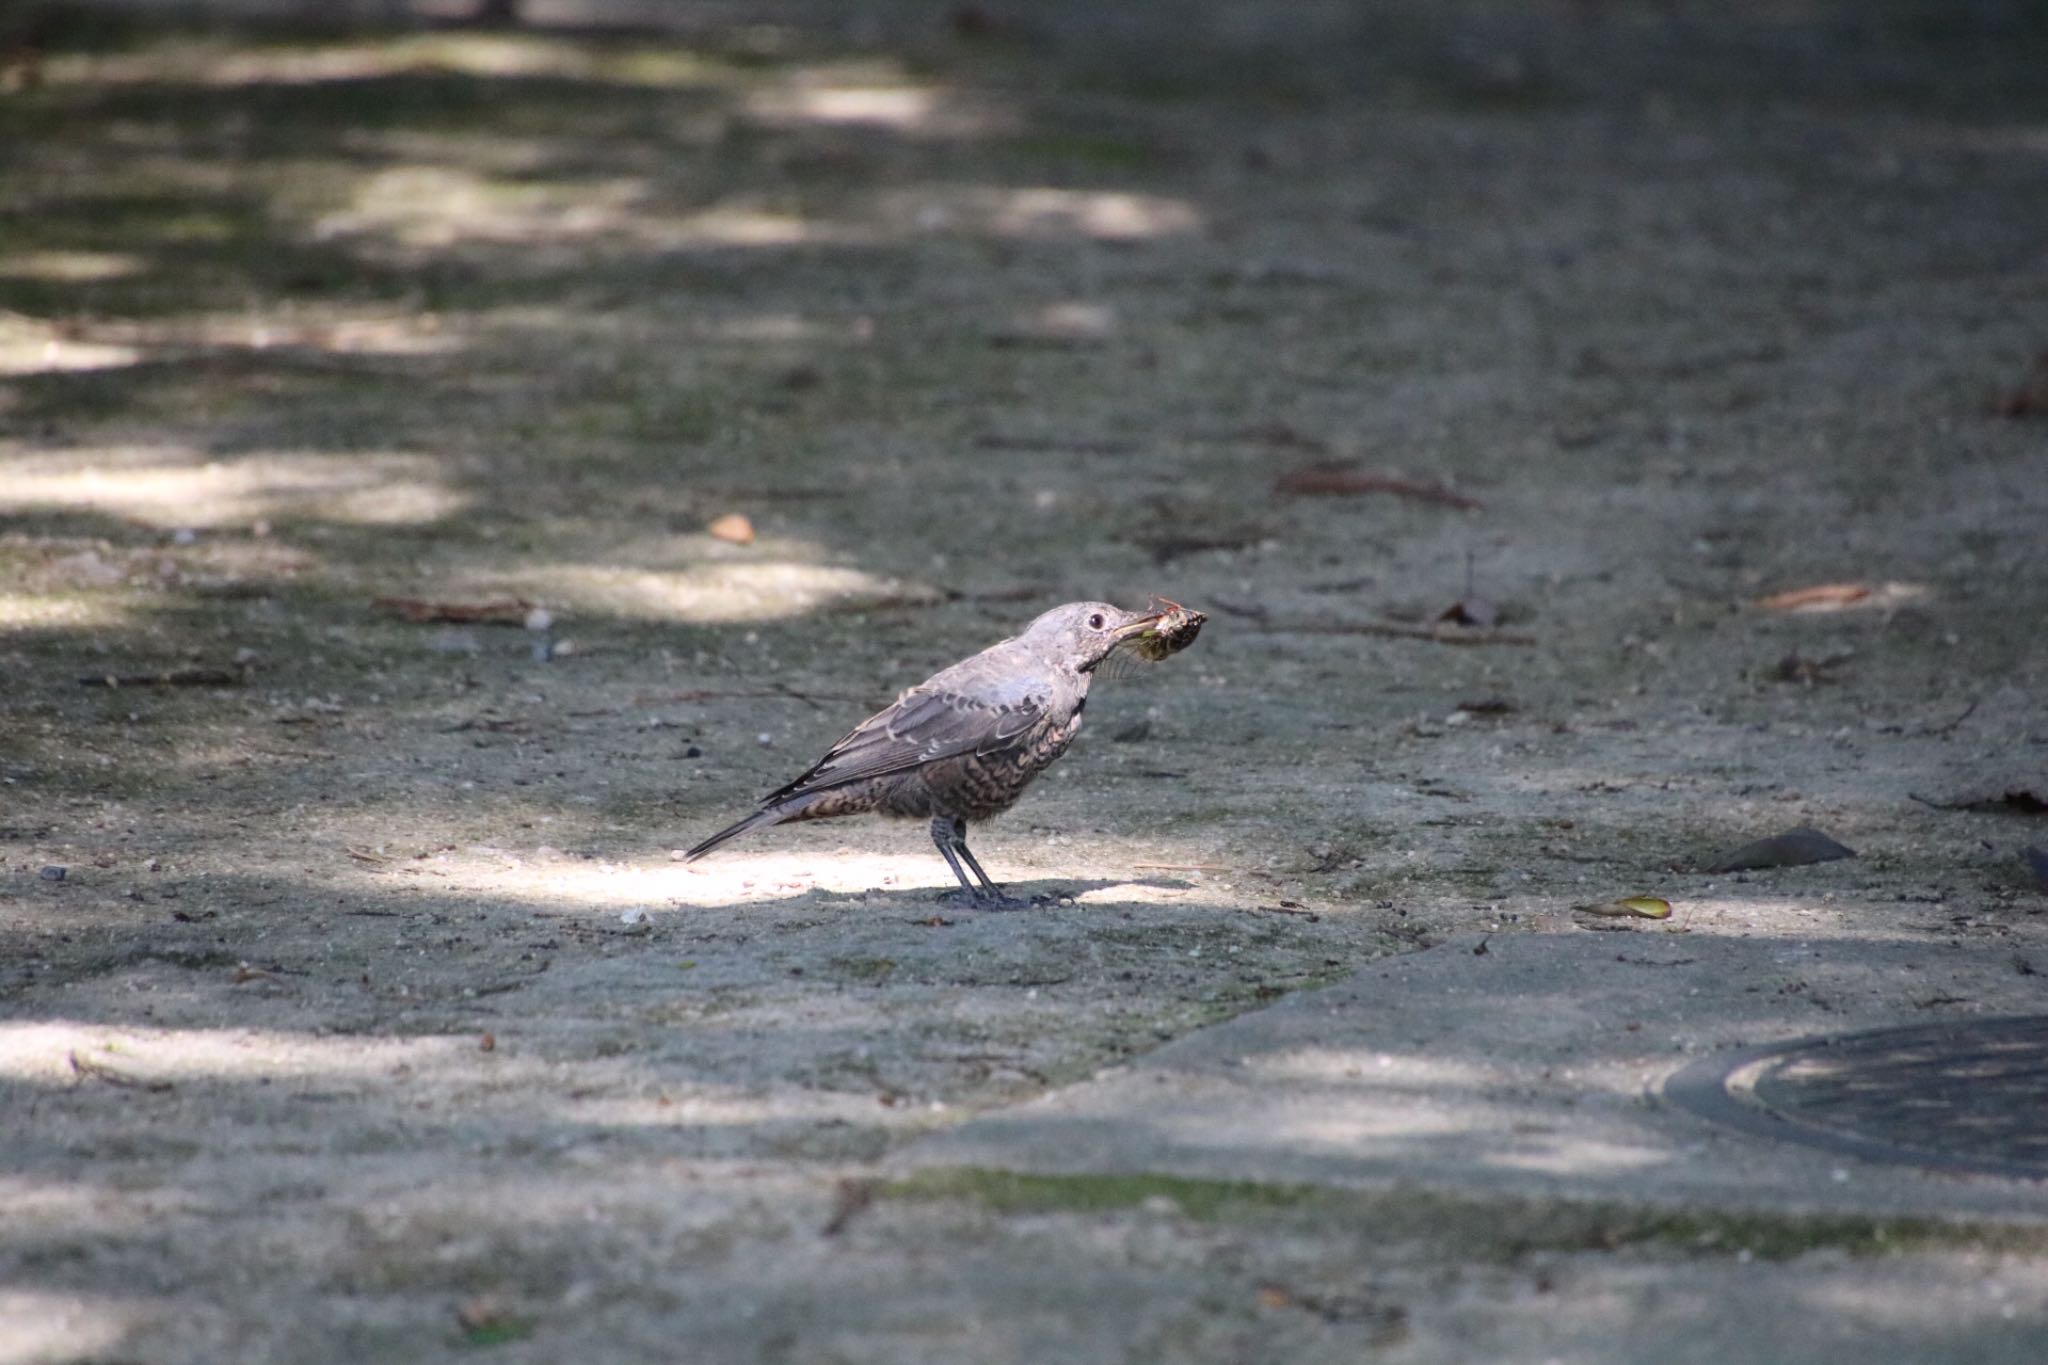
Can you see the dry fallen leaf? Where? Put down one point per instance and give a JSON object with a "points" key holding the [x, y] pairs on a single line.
{"points": [[1793, 848], [1637, 907], [1818, 597], [1342, 481], [734, 528], [1471, 611]]}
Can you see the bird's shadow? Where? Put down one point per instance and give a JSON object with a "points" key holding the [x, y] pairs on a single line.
{"points": [[1035, 895]]}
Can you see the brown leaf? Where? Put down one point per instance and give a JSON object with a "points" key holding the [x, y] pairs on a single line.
{"points": [[1471, 611], [734, 528], [1342, 481], [1818, 597]]}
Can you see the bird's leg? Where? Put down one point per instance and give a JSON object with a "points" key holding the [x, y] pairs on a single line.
{"points": [[951, 837], [943, 836], [960, 847]]}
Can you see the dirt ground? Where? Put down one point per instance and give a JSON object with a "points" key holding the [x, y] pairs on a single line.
{"points": [[353, 1004]]}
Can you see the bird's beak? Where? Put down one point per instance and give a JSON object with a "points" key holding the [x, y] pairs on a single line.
{"points": [[1130, 630], [1137, 625]]}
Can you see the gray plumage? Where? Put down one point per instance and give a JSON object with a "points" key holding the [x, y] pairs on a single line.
{"points": [[963, 744]]}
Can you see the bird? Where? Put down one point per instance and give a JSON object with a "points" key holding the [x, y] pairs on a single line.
{"points": [[962, 745]]}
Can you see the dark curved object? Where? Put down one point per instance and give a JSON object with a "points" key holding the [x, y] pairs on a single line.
{"points": [[1961, 1096]]}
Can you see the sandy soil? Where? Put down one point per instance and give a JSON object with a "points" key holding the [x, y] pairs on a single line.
{"points": [[354, 1007]]}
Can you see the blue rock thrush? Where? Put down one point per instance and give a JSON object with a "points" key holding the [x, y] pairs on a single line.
{"points": [[963, 744]]}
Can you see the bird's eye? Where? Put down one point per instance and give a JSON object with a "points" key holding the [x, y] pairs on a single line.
{"points": [[1095, 621]]}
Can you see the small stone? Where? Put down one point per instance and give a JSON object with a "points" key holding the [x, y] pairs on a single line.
{"points": [[52, 873]]}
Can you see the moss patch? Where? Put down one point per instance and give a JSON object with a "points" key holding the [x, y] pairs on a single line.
{"points": [[1493, 1228]]}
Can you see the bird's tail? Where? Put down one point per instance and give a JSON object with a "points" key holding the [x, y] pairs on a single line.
{"points": [[770, 816]]}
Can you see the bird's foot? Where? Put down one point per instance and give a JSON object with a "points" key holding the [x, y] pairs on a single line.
{"points": [[988, 900]]}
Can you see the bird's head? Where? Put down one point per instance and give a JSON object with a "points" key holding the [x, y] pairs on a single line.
{"points": [[1083, 634]]}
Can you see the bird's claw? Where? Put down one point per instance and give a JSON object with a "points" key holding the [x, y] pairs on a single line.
{"points": [[990, 900]]}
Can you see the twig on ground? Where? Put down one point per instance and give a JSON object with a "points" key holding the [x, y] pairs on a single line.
{"points": [[100, 1071]]}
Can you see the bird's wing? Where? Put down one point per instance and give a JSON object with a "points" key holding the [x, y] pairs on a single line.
{"points": [[924, 725]]}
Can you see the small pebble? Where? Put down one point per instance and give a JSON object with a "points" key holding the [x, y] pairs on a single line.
{"points": [[539, 619], [693, 752], [184, 535], [52, 873], [634, 915], [765, 740]]}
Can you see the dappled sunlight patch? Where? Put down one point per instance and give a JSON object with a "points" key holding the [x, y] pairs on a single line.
{"points": [[171, 487], [738, 875], [69, 1203], [429, 207], [721, 593], [29, 346], [744, 224], [42, 1326], [367, 334], [23, 611], [737, 879], [782, 328], [869, 94], [42, 1052], [1103, 215], [1328, 1125], [218, 64], [1352, 1064], [1562, 1153], [905, 108], [2003, 1288], [70, 267]]}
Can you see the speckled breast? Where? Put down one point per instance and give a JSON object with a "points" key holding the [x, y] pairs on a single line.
{"points": [[976, 786]]}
